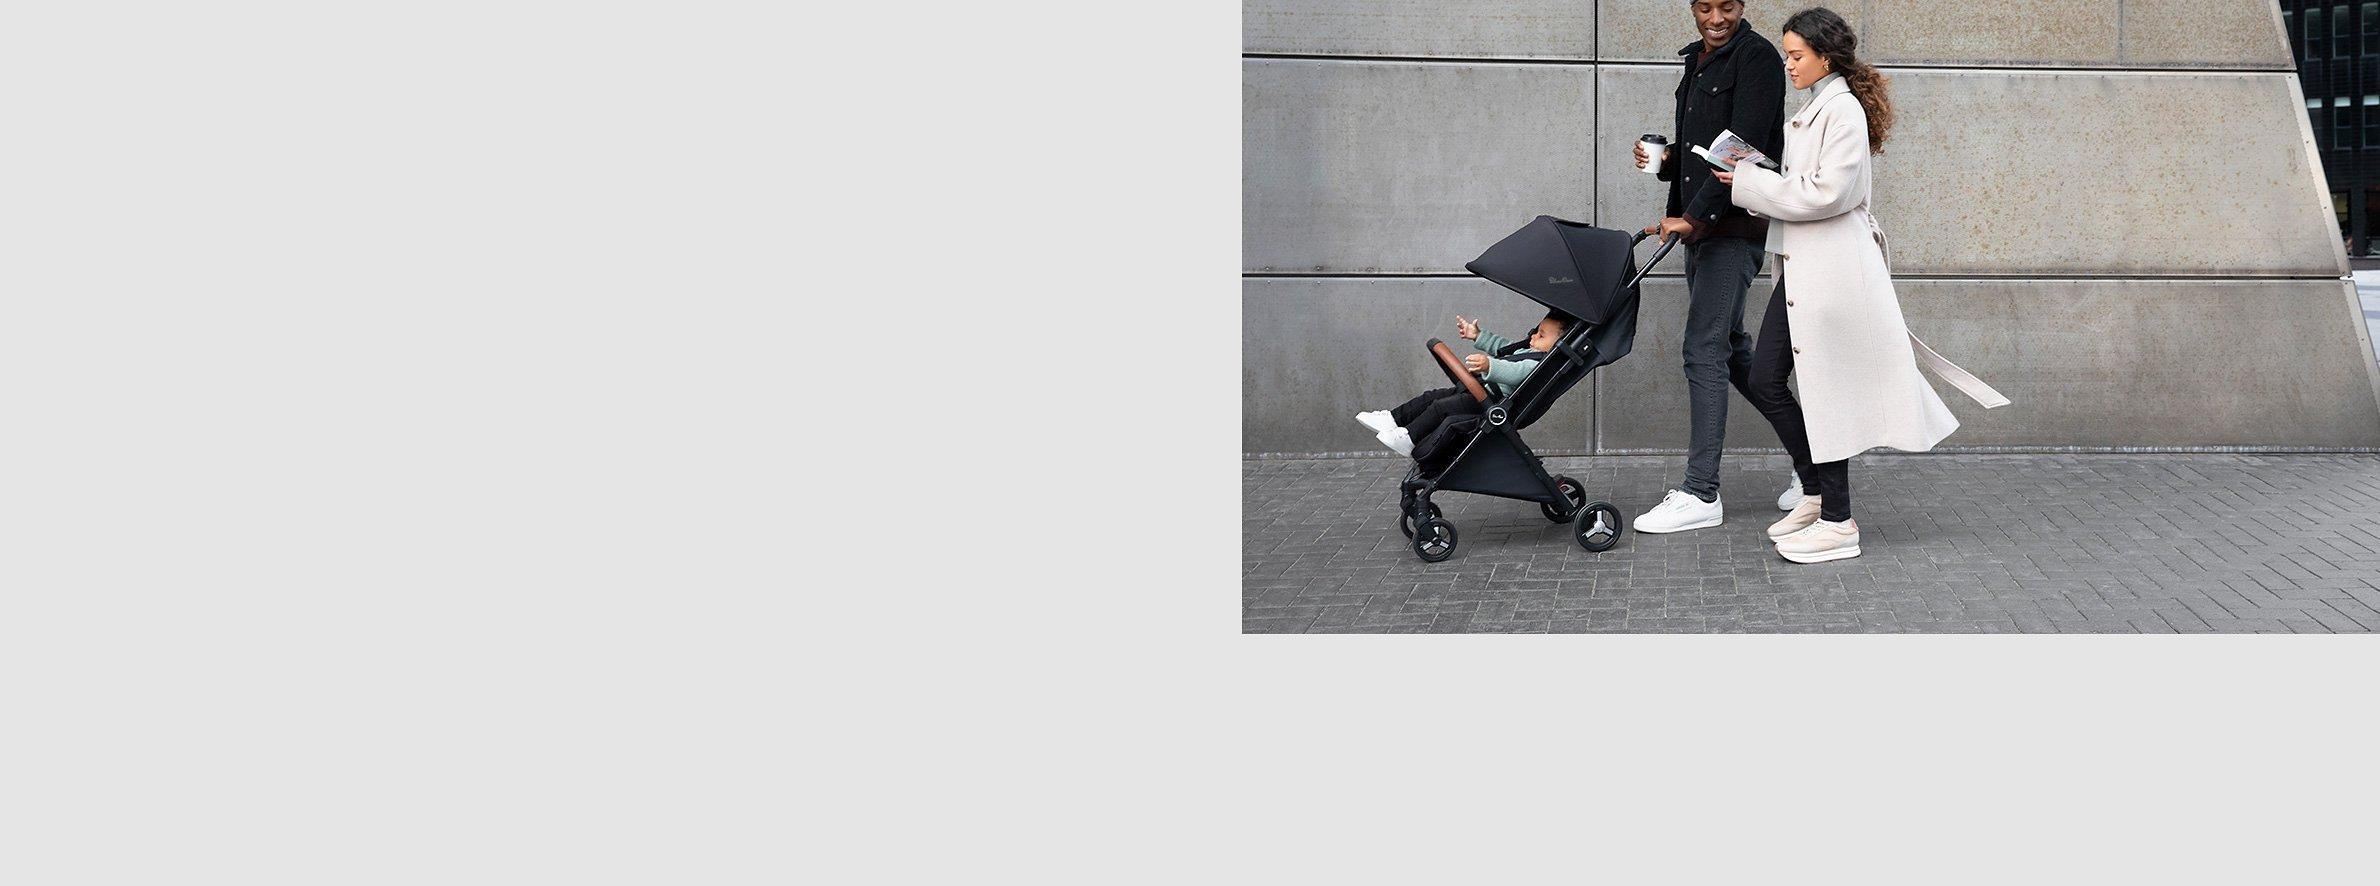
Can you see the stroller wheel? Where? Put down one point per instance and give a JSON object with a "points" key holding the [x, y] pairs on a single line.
{"points": [[1433, 540], [1575, 495], [1405, 520], [1597, 526]]}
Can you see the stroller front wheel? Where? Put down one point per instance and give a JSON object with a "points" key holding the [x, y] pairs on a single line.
{"points": [[1597, 526], [1433, 540]]}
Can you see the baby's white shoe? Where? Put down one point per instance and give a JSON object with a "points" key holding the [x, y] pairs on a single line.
{"points": [[1397, 439], [1378, 420]]}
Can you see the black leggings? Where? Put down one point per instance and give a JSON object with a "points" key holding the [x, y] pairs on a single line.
{"points": [[1772, 360]]}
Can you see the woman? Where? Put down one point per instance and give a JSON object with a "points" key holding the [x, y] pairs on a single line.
{"points": [[1842, 330]]}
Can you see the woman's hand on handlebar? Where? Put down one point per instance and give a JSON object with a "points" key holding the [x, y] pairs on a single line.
{"points": [[1468, 329], [1477, 363], [1668, 226]]}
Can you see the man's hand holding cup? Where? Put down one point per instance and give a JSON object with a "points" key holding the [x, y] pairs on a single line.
{"points": [[1651, 151]]}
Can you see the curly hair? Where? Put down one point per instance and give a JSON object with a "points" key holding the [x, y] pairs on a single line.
{"points": [[1832, 38]]}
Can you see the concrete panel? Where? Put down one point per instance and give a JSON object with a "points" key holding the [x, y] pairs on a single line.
{"points": [[2206, 34], [2004, 32], [2010, 173], [1465, 28], [2182, 34], [1314, 352], [1652, 30], [1361, 167], [2088, 363]]}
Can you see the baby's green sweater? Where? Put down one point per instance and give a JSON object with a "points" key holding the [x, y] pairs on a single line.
{"points": [[1502, 375]]}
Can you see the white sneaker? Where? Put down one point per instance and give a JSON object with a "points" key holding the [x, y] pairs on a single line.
{"points": [[1820, 542], [1397, 439], [1378, 420], [1680, 511], [1803, 515], [1793, 493]]}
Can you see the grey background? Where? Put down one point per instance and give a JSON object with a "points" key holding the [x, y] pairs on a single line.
{"points": [[2190, 294]]}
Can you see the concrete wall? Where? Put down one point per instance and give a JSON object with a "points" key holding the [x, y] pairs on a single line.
{"points": [[2186, 294]]}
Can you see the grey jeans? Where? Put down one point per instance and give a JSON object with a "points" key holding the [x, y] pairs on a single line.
{"points": [[1718, 353]]}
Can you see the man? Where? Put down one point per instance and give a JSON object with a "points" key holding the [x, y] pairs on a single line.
{"points": [[1734, 80]]}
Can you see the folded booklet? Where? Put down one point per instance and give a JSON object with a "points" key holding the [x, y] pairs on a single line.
{"points": [[1728, 150]]}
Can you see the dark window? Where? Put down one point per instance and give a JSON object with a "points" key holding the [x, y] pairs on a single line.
{"points": [[2343, 124], [2342, 32], [2371, 210], [2317, 43]]}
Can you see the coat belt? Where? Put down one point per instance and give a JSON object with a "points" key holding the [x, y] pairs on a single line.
{"points": [[1934, 362]]}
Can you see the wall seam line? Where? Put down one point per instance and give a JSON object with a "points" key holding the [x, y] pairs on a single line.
{"points": [[1595, 211], [2201, 70]]}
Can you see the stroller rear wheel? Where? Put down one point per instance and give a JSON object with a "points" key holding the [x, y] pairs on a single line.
{"points": [[1597, 526], [1575, 496], [1433, 540], [1405, 520]]}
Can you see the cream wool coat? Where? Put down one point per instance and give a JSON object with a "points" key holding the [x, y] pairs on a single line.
{"points": [[1854, 359]]}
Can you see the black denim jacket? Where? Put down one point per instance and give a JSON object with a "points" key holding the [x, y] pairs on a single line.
{"points": [[1740, 88]]}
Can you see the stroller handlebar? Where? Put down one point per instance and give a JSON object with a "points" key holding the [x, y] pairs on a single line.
{"points": [[1667, 244]]}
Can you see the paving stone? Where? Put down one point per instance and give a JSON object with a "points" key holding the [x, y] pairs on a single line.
{"points": [[2040, 543]]}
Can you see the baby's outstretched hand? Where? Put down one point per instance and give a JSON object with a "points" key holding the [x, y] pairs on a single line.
{"points": [[1468, 329], [1477, 363]]}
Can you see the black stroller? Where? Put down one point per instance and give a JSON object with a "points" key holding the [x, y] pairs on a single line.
{"points": [[1590, 274]]}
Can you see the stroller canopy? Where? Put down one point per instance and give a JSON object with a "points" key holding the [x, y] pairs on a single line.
{"points": [[1569, 267]]}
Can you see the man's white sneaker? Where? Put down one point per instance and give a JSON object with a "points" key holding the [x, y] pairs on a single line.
{"points": [[1680, 511], [1378, 420], [1397, 439], [1793, 493], [1821, 541]]}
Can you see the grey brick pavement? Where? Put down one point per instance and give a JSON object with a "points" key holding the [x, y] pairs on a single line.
{"points": [[1950, 543]]}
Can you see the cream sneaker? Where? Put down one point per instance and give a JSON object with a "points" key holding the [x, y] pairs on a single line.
{"points": [[1821, 541], [1381, 421], [1803, 515], [1680, 511]]}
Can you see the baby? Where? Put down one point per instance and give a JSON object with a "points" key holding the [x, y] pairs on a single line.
{"points": [[1423, 418]]}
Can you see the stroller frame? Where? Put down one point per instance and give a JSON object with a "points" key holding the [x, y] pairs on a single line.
{"points": [[1494, 460]]}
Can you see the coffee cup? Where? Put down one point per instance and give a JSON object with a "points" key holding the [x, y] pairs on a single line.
{"points": [[1656, 149]]}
